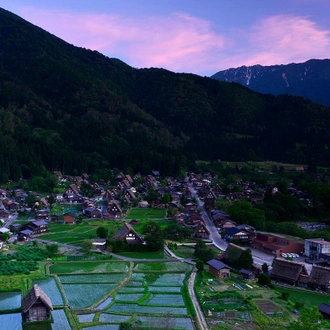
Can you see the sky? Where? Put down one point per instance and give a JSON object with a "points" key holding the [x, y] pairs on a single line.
{"points": [[192, 36]]}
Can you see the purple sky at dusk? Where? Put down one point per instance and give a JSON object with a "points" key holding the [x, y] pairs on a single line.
{"points": [[195, 36]]}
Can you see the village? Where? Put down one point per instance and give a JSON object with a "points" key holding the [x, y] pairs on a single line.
{"points": [[28, 216]]}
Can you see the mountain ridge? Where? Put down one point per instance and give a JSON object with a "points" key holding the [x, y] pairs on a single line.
{"points": [[310, 79]]}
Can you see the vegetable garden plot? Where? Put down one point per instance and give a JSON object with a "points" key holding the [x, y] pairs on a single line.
{"points": [[50, 288], [89, 267], [60, 320], [172, 279], [163, 266], [93, 278], [10, 300], [11, 321], [113, 318], [176, 289], [134, 308], [85, 317], [183, 323], [103, 327], [129, 297], [268, 307], [165, 300], [131, 289], [85, 295]]}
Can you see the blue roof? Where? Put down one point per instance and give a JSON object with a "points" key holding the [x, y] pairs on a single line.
{"points": [[217, 264]]}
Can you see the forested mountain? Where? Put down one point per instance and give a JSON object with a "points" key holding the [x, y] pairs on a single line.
{"points": [[310, 79], [68, 108]]}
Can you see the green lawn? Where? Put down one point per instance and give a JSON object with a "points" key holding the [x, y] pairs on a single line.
{"points": [[143, 255], [308, 298], [146, 213], [88, 267], [75, 234]]}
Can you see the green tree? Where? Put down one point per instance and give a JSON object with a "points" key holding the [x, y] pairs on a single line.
{"points": [[5, 236], [52, 249], [102, 232], [242, 211], [202, 252], [245, 260], [86, 189], [264, 268], [200, 265], [153, 236], [166, 198], [264, 279], [309, 319], [87, 245]]}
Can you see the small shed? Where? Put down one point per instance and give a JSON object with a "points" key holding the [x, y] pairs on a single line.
{"points": [[68, 218], [247, 274], [324, 309], [37, 305], [99, 243], [218, 269]]}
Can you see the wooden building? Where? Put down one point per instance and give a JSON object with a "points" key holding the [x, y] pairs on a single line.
{"points": [[68, 218], [37, 305], [320, 278], [289, 272], [218, 269], [128, 234]]}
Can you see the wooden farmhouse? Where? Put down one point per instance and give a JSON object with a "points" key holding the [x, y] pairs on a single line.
{"points": [[294, 273], [128, 234], [218, 269], [37, 305], [320, 278], [68, 218]]}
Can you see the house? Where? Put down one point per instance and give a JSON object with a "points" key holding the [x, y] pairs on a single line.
{"points": [[200, 230], [233, 251], [114, 210], [319, 278], [315, 247], [24, 235], [218, 269], [247, 274], [238, 234], [324, 309], [54, 218], [99, 243], [92, 213], [37, 305], [42, 214], [37, 227], [287, 271], [128, 234], [275, 244], [144, 204], [68, 218]]}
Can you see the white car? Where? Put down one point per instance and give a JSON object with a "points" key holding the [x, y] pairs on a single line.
{"points": [[284, 255]]}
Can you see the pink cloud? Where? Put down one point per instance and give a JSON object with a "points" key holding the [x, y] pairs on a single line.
{"points": [[180, 42], [184, 43], [284, 39]]}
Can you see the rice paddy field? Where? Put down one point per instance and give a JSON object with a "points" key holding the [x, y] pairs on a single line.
{"points": [[100, 295]]}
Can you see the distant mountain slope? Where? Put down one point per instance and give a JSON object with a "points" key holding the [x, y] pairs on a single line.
{"points": [[310, 79], [76, 110]]}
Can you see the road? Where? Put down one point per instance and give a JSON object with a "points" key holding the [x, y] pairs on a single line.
{"points": [[258, 256], [10, 220], [199, 313]]}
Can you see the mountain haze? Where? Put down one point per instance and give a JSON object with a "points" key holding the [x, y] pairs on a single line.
{"points": [[75, 110], [310, 79]]}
